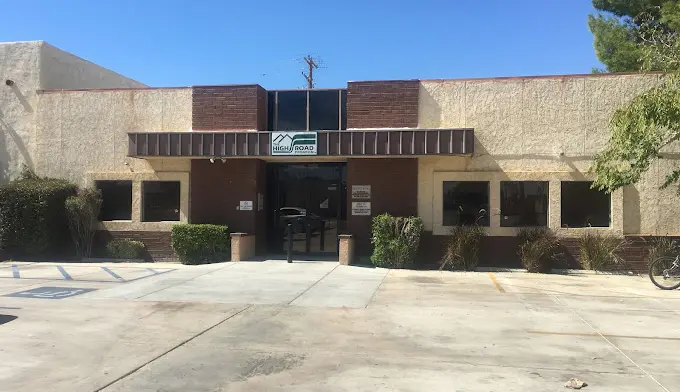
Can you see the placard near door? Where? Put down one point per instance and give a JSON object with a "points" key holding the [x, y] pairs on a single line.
{"points": [[361, 208], [361, 192]]}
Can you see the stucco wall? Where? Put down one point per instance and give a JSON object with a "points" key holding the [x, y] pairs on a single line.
{"points": [[86, 131], [19, 62], [33, 66], [62, 70], [82, 136], [550, 125]]}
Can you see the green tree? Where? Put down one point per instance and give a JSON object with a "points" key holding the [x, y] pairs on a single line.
{"points": [[642, 129], [616, 29]]}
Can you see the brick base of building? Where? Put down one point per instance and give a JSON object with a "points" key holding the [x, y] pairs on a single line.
{"points": [[502, 252], [157, 243]]}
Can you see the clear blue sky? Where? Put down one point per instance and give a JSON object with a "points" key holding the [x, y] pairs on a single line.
{"points": [[181, 43]]}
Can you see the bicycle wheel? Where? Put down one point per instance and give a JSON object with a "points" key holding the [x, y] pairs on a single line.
{"points": [[665, 273]]}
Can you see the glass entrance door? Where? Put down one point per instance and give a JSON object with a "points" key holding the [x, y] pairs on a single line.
{"points": [[311, 198]]}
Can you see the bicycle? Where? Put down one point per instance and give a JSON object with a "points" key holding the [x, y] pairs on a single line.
{"points": [[665, 271]]}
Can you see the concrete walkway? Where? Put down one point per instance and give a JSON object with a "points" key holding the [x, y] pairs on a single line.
{"points": [[323, 327]]}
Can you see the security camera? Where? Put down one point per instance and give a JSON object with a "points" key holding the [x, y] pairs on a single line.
{"points": [[212, 160], [223, 160]]}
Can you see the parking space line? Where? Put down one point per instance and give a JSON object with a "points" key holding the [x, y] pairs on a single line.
{"points": [[15, 271], [115, 275], [495, 282], [64, 273], [153, 271]]}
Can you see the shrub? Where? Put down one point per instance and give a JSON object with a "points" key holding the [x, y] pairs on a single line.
{"points": [[462, 248], [200, 244], [395, 240], [599, 251], [82, 211], [661, 246], [33, 218], [125, 249], [537, 247]]}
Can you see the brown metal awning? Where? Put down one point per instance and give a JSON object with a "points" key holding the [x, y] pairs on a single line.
{"points": [[329, 143]]}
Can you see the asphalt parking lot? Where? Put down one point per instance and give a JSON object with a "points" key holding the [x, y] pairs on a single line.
{"points": [[323, 327]]}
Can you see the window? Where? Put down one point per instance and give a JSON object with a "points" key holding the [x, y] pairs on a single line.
{"points": [[343, 106], [524, 203], [307, 110], [466, 203], [292, 111], [324, 110], [271, 108], [116, 200], [161, 201], [583, 206]]}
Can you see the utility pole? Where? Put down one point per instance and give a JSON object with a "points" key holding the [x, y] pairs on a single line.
{"points": [[312, 64]]}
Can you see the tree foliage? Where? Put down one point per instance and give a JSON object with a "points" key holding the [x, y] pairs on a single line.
{"points": [[643, 129], [616, 30]]}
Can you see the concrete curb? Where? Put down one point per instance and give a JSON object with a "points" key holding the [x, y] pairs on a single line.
{"points": [[558, 271]]}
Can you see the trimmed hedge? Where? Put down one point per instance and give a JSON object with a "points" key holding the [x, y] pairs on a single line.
{"points": [[33, 219], [395, 240], [200, 244], [125, 249]]}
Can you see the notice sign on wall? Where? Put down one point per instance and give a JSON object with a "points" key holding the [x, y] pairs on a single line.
{"points": [[361, 208], [246, 205], [361, 192], [293, 143]]}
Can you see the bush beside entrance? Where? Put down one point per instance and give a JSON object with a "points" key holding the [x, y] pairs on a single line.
{"points": [[201, 244], [395, 240]]}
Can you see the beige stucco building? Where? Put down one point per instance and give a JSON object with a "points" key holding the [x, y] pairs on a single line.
{"points": [[518, 148]]}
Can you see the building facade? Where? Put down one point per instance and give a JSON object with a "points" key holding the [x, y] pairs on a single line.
{"points": [[503, 153]]}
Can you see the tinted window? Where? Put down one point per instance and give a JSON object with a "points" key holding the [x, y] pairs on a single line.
{"points": [[116, 200], [271, 106], [161, 201], [466, 203], [343, 106], [292, 111], [524, 203], [584, 207], [324, 110]]}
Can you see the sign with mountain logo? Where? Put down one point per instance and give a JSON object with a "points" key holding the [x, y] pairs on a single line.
{"points": [[294, 143]]}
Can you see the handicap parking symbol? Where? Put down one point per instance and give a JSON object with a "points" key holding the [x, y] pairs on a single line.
{"points": [[47, 292]]}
